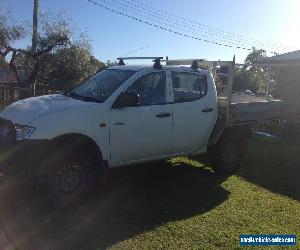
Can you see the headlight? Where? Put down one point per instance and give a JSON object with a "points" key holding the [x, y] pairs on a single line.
{"points": [[23, 132]]}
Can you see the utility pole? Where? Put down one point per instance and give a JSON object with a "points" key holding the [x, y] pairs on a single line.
{"points": [[35, 25], [34, 33]]}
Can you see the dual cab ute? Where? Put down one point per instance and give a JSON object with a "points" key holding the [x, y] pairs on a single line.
{"points": [[125, 115]]}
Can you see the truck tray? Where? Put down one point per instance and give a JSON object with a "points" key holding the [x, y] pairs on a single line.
{"points": [[249, 109]]}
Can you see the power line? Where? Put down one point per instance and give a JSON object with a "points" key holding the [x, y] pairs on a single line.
{"points": [[234, 38], [175, 25], [201, 32], [208, 27], [160, 27], [134, 51], [184, 32]]}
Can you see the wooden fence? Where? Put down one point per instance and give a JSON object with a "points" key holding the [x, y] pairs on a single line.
{"points": [[10, 92]]}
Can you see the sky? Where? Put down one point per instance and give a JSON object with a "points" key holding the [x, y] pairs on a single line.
{"points": [[112, 35]]}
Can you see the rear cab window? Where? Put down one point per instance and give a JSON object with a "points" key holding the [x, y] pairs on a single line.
{"points": [[188, 86]]}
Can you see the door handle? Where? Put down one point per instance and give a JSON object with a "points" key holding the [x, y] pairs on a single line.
{"points": [[206, 110], [119, 123], [162, 115]]}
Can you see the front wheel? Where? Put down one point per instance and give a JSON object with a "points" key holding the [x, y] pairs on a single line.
{"points": [[68, 177], [225, 157]]}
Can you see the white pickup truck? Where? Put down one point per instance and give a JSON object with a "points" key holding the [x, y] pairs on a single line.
{"points": [[126, 115]]}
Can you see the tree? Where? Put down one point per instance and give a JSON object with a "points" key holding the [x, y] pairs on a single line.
{"points": [[111, 63], [63, 57], [69, 66], [3, 63], [255, 56], [250, 76], [54, 34], [247, 79], [9, 33]]}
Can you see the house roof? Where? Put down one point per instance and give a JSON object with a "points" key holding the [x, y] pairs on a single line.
{"points": [[288, 59], [7, 75], [293, 55]]}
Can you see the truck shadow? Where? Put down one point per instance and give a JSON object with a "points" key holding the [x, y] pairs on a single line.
{"points": [[135, 200], [274, 165]]}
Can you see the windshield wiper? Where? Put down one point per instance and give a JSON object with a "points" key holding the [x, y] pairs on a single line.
{"points": [[90, 99], [69, 93], [74, 95]]}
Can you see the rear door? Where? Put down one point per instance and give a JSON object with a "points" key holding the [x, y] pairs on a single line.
{"points": [[194, 111]]}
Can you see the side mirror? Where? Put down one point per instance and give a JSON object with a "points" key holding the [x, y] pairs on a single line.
{"points": [[127, 99]]}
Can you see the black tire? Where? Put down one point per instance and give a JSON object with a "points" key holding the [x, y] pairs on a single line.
{"points": [[68, 176], [225, 157]]}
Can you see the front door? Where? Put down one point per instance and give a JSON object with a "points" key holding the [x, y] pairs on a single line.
{"points": [[143, 132]]}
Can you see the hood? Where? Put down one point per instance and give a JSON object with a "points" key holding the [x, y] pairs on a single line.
{"points": [[24, 111]]}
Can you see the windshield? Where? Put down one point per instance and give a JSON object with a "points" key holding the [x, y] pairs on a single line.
{"points": [[101, 85]]}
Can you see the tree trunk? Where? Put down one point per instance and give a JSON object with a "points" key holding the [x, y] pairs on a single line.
{"points": [[13, 67]]}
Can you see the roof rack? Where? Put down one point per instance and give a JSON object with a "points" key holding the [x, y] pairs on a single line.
{"points": [[192, 62], [156, 60], [197, 62]]}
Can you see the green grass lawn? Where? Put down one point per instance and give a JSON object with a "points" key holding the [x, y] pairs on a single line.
{"points": [[177, 205]]}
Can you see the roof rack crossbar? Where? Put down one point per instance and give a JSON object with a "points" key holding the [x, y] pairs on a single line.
{"points": [[140, 58], [156, 60]]}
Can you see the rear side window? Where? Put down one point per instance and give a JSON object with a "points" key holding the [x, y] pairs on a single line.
{"points": [[188, 86]]}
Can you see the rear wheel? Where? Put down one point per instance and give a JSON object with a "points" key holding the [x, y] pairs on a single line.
{"points": [[225, 157]]}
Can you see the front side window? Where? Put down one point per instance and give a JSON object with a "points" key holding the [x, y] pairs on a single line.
{"points": [[188, 86], [151, 88], [101, 85]]}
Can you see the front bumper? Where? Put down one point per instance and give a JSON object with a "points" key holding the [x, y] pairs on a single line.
{"points": [[21, 154], [17, 154]]}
